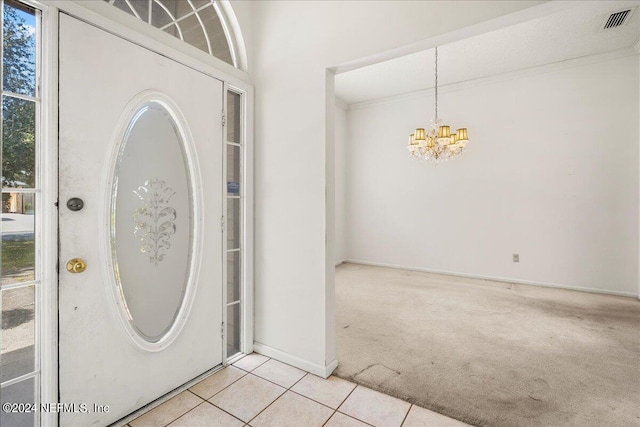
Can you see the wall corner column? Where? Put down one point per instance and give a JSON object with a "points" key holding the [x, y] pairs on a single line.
{"points": [[636, 47], [330, 227]]}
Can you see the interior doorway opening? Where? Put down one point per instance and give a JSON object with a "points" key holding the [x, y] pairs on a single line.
{"points": [[443, 261]]}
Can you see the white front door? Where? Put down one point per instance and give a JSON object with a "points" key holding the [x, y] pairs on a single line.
{"points": [[140, 144]]}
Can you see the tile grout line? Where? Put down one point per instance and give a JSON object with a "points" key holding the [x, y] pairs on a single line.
{"points": [[345, 399], [302, 395], [245, 373], [331, 416], [203, 400], [290, 388], [279, 385], [224, 388], [266, 407], [340, 404], [411, 405], [160, 401], [248, 372], [180, 416], [229, 413], [197, 395], [354, 418], [269, 381], [277, 398], [220, 391], [406, 415], [207, 400], [243, 376], [294, 384], [200, 403], [313, 400]]}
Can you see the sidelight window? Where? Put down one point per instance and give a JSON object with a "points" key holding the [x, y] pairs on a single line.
{"points": [[234, 171], [20, 251]]}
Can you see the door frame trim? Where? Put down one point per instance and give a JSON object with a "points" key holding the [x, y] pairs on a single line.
{"points": [[49, 196], [109, 18], [136, 32]]}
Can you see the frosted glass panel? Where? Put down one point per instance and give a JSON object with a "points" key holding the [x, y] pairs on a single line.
{"points": [[233, 170], [234, 104], [233, 329], [177, 8], [233, 276], [159, 16], [233, 223], [217, 37], [142, 8], [152, 221], [193, 34]]}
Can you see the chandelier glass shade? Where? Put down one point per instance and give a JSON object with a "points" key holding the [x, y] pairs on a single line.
{"points": [[437, 144]]}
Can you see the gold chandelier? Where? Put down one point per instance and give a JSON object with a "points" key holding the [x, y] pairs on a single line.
{"points": [[437, 144]]}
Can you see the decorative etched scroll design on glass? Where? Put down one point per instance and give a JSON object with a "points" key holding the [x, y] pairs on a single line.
{"points": [[155, 221]]}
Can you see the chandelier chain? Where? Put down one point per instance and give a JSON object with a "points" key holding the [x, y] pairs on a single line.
{"points": [[436, 82]]}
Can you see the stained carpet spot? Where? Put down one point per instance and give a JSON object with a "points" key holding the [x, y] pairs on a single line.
{"points": [[377, 374], [538, 389]]}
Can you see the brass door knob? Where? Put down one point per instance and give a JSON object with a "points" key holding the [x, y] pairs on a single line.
{"points": [[76, 265]]}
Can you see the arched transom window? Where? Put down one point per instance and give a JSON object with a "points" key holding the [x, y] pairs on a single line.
{"points": [[197, 22]]}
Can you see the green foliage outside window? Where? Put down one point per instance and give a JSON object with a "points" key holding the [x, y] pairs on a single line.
{"points": [[18, 127]]}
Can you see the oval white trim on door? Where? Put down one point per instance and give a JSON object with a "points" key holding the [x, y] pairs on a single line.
{"points": [[115, 294]]}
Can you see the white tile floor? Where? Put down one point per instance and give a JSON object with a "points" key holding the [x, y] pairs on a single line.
{"points": [[261, 392]]}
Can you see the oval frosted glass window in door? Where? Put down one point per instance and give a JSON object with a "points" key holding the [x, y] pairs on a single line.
{"points": [[152, 221]]}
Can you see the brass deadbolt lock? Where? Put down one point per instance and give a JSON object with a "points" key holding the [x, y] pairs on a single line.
{"points": [[76, 265]]}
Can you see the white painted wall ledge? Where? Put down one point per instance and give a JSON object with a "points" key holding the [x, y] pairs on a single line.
{"points": [[495, 279], [305, 365]]}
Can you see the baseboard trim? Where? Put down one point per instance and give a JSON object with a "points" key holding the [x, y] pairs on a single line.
{"points": [[497, 279], [289, 359], [328, 370]]}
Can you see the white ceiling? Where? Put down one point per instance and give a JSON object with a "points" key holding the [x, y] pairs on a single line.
{"points": [[568, 34]]}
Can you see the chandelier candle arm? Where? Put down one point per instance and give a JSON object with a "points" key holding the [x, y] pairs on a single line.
{"points": [[437, 144]]}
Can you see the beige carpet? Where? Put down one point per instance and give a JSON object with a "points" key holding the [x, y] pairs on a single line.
{"points": [[490, 353]]}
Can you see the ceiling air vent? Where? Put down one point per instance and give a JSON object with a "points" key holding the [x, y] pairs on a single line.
{"points": [[617, 19]]}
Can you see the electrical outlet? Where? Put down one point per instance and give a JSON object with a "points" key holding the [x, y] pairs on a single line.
{"points": [[516, 257]]}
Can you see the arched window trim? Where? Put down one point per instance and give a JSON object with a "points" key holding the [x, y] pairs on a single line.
{"points": [[233, 32], [227, 33]]}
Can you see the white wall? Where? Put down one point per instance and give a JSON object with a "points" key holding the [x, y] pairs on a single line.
{"points": [[294, 43], [551, 173], [340, 155]]}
